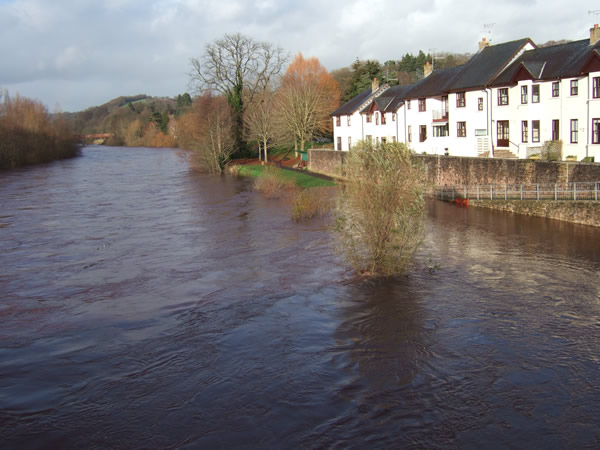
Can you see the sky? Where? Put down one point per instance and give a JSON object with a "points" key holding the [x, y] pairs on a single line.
{"points": [[75, 54]]}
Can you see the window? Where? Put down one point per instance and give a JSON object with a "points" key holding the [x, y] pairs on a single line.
{"points": [[393, 117], [555, 130], [460, 100], [393, 138], [535, 93], [555, 89], [422, 133], [440, 130], [502, 96], [596, 88], [503, 133], [369, 118], [480, 104], [377, 140], [535, 131], [349, 120], [369, 138], [422, 105], [376, 118], [409, 134], [339, 143], [338, 121], [349, 142], [383, 140], [524, 94], [408, 104], [382, 118], [461, 129], [574, 128], [574, 87], [595, 131], [524, 131]]}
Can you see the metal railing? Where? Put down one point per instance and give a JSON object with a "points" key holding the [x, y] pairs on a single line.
{"points": [[558, 191]]}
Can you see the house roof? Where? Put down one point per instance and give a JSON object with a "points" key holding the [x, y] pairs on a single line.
{"points": [[389, 101], [558, 61], [485, 65], [433, 85], [351, 106]]}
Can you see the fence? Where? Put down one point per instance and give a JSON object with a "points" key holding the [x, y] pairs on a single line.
{"points": [[566, 191]]}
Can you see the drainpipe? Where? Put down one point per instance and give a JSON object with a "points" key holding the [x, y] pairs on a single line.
{"points": [[362, 126], [405, 127], [587, 123], [488, 92]]}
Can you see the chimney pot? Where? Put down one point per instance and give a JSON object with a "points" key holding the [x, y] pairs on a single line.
{"points": [[594, 34], [374, 85], [484, 43]]}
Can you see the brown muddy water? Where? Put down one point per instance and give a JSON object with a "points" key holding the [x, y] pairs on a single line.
{"points": [[145, 306]]}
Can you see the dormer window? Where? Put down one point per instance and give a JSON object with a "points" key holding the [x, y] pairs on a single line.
{"points": [[502, 96], [535, 93], [524, 95], [555, 89]]}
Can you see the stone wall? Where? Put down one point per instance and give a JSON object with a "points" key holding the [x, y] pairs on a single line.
{"points": [[586, 213], [450, 170], [328, 162]]}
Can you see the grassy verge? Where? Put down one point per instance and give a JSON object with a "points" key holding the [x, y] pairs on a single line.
{"points": [[302, 180]]}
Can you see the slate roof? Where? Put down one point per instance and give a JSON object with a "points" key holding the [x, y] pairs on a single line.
{"points": [[481, 69], [559, 61], [352, 105], [390, 100], [433, 85]]}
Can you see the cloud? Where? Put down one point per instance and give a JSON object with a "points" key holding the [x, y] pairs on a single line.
{"points": [[53, 50]]}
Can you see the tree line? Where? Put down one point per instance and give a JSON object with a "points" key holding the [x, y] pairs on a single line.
{"points": [[245, 97], [407, 70], [29, 134]]}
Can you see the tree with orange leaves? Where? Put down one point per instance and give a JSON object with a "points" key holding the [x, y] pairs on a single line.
{"points": [[308, 93]]}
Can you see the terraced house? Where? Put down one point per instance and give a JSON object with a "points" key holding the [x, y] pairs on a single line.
{"points": [[509, 100]]}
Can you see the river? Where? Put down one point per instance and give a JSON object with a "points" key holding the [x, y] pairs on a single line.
{"points": [[144, 305]]}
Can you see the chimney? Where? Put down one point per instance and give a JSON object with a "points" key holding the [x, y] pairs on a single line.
{"points": [[374, 85], [483, 44], [427, 69], [594, 34]]}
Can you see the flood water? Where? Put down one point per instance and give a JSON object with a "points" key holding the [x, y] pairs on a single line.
{"points": [[146, 306]]}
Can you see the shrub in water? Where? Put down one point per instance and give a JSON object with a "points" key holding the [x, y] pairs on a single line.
{"points": [[379, 215], [311, 202], [272, 183]]}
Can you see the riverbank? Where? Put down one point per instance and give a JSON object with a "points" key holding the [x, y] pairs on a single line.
{"points": [[30, 135]]}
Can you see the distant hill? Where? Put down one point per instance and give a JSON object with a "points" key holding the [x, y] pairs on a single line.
{"points": [[116, 115]]}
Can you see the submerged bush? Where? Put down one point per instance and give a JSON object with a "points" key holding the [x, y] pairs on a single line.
{"points": [[311, 202], [272, 183], [379, 215]]}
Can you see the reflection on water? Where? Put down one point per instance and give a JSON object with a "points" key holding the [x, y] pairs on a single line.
{"points": [[147, 306]]}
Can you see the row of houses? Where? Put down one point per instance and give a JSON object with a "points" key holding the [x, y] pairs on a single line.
{"points": [[508, 100]]}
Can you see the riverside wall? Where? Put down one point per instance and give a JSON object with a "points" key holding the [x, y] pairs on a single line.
{"points": [[582, 212], [452, 170]]}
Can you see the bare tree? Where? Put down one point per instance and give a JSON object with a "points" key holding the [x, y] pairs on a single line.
{"points": [[308, 94], [238, 68], [262, 124], [207, 132]]}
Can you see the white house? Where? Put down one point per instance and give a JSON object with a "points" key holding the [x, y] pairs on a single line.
{"points": [[506, 101]]}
